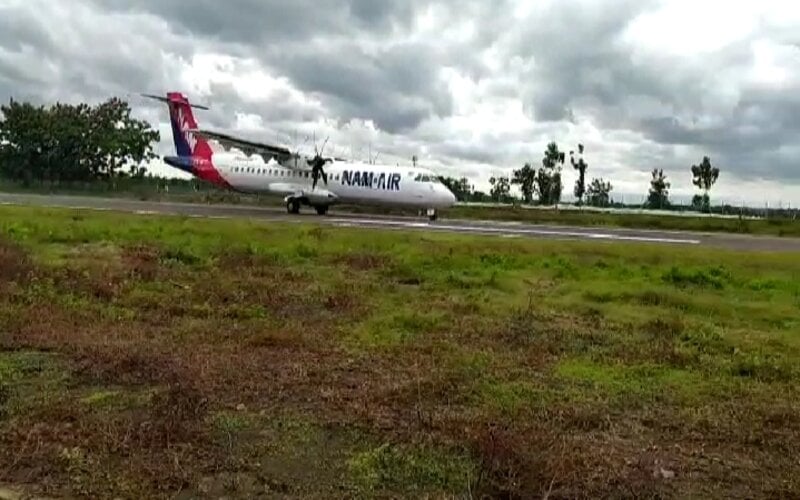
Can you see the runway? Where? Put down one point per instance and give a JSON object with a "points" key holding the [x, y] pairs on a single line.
{"points": [[344, 219]]}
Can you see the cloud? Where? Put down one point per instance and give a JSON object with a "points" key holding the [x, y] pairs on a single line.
{"points": [[471, 87]]}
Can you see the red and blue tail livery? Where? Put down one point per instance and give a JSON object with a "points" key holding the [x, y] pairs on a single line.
{"points": [[194, 154], [183, 123]]}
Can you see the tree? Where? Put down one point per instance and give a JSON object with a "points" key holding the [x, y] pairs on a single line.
{"points": [[525, 178], [704, 177], [659, 190], [598, 193], [548, 178], [461, 188], [501, 187], [73, 142], [580, 166]]}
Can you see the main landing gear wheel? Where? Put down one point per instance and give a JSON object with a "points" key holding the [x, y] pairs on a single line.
{"points": [[432, 215], [321, 209], [293, 206]]}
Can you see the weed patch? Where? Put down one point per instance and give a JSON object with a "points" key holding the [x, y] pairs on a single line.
{"points": [[714, 277], [554, 333], [398, 468]]}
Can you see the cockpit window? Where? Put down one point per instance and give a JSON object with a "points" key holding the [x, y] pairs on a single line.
{"points": [[426, 178]]}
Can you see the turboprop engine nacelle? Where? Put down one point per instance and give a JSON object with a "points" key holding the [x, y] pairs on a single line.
{"points": [[321, 196], [315, 197]]}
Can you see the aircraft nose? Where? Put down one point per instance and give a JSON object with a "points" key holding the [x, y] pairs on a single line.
{"points": [[448, 197]]}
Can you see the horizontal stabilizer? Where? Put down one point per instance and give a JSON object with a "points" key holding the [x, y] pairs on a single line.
{"points": [[167, 100]]}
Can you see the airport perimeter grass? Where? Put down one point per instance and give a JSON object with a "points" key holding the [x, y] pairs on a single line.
{"points": [[165, 357]]}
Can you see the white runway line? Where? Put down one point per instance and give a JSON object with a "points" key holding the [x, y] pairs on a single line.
{"points": [[515, 231]]}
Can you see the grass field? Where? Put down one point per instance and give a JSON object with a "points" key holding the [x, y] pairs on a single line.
{"points": [[146, 357]]}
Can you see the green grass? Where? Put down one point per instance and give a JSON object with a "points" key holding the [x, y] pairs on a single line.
{"points": [[147, 356]]}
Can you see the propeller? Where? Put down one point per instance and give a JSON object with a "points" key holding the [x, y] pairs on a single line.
{"points": [[317, 163]]}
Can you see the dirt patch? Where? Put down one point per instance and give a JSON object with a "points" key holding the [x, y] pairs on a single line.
{"points": [[363, 261], [98, 283], [15, 263], [177, 414], [520, 462], [142, 262], [67, 449], [129, 365]]}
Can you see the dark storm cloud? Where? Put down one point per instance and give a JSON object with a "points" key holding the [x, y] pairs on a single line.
{"points": [[321, 46], [397, 87], [252, 22], [575, 52], [283, 113], [68, 58], [750, 141]]}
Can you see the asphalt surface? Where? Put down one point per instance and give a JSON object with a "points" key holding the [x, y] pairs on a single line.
{"points": [[502, 229]]}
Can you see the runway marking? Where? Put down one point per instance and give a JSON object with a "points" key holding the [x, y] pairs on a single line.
{"points": [[516, 231]]}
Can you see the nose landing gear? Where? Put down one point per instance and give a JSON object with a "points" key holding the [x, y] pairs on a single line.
{"points": [[432, 214]]}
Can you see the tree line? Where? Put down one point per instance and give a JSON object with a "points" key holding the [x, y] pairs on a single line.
{"points": [[65, 143], [73, 143], [544, 185]]}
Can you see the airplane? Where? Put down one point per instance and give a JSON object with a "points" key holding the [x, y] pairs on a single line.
{"points": [[272, 169]]}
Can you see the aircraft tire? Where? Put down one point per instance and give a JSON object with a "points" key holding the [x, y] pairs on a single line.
{"points": [[293, 206], [321, 209]]}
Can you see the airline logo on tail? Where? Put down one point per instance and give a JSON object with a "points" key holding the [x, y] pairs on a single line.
{"points": [[187, 143], [186, 130]]}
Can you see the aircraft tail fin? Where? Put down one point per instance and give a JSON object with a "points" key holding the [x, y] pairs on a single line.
{"points": [[187, 144]]}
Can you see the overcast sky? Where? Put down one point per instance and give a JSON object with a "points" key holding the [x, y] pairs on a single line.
{"points": [[474, 88]]}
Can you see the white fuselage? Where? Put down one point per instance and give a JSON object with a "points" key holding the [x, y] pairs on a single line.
{"points": [[347, 182]]}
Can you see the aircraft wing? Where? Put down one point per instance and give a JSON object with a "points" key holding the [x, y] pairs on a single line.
{"points": [[267, 151]]}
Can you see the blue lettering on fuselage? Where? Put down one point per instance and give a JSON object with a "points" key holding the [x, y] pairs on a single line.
{"points": [[371, 180]]}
